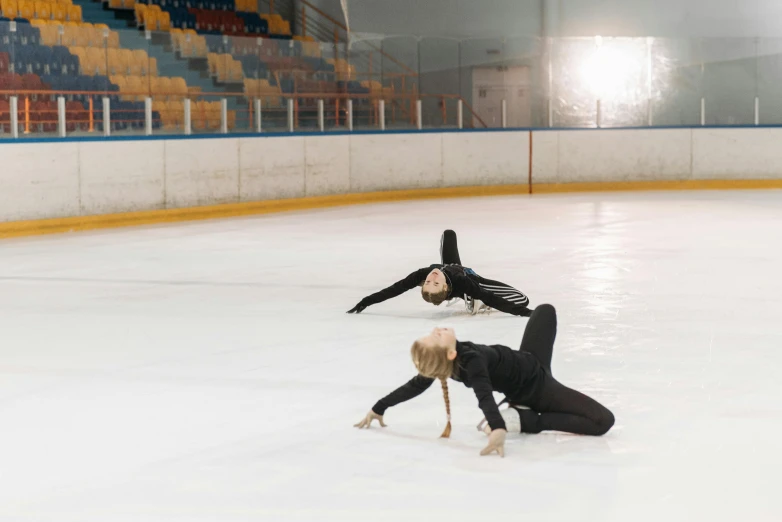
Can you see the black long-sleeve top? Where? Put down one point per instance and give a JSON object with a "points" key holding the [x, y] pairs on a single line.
{"points": [[461, 282], [485, 369]]}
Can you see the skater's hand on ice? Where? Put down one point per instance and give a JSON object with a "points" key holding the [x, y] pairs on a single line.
{"points": [[358, 308], [367, 421], [496, 443]]}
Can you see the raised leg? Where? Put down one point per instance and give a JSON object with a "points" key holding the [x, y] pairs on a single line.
{"points": [[449, 253], [540, 333]]}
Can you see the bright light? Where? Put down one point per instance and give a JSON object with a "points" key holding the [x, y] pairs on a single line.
{"points": [[613, 71]]}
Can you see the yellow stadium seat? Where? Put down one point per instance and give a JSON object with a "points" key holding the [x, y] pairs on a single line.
{"points": [[74, 13], [115, 4], [138, 89], [60, 11], [179, 87], [150, 19], [127, 61], [163, 87], [250, 87], [26, 9], [84, 35], [113, 40], [97, 61], [176, 111], [140, 10], [213, 114], [140, 63], [117, 60], [197, 116], [163, 21], [156, 88], [97, 35], [81, 54], [179, 40], [10, 8], [161, 108], [115, 69], [235, 72], [211, 60], [120, 82], [153, 67], [70, 33], [50, 34], [43, 10]]}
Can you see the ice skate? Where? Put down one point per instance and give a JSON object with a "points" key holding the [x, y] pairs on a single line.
{"points": [[476, 306]]}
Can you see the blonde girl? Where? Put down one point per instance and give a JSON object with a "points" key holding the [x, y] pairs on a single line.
{"points": [[538, 402]]}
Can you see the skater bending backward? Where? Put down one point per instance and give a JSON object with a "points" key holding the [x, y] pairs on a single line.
{"points": [[449, 280], [537, 401]]}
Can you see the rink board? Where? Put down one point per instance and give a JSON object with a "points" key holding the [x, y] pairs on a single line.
{"points": [[209, 177]]}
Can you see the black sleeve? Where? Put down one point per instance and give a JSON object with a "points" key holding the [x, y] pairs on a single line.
{"points": [[411, 389], [398, 288], [495, 301], [481, 384]]}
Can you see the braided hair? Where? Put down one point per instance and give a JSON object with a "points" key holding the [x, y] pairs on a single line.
{"points": [[432, 362], [447, 432]]}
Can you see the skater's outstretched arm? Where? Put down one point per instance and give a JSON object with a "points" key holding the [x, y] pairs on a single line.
{"points": [[398, 288], [411, 389]]}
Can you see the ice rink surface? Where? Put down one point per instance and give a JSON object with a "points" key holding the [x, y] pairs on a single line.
{"points": [[209, 372]]}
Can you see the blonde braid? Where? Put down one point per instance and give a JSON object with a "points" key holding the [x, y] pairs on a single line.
{"points": [[447, 432]]}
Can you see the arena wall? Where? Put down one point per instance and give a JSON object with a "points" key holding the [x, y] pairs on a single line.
{"points": [[78, 178]]}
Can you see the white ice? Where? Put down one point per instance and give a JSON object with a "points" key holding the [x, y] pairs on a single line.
{"points": [[209, 372]]}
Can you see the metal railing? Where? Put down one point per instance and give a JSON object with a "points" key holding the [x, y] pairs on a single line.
{"points": [[47, 113]]}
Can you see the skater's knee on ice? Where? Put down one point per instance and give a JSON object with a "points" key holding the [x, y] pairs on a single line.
{"points": [[605, 421]]}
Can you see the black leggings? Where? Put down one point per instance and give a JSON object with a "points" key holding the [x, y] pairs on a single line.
{"points": [[449, 253], [557, 407]]}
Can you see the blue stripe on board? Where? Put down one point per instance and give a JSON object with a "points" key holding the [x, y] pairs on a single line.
{"points": [[360, 133]]}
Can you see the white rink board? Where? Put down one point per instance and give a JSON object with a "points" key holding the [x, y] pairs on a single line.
{"points": [[133, 181], [545, 157], [485, 158], [201, 172], [87, 178], [271, 168], [327, 164], [623, 155], [400, 161], [39, 181], [730, 153]]}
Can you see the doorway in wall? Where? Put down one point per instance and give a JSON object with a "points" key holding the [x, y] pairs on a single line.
{"points": [[491, 85]]}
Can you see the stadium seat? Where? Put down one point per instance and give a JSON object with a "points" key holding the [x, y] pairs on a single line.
{"points": [[138, 89], [74, 13], [60, 11], [97, 61], [26, 9], [10, 8], [43, 10]]}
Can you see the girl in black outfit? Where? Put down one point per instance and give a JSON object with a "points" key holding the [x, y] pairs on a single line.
{"points": [[524, 377], [450, 280]]}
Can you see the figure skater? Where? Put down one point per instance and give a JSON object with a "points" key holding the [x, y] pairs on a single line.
{"points": [[537, 401], [450, 280]]}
